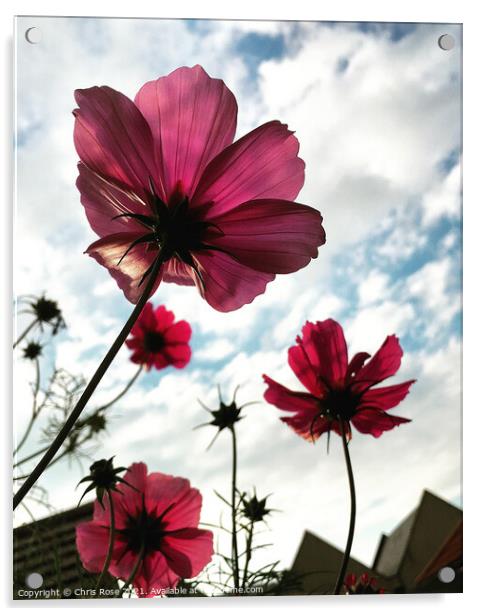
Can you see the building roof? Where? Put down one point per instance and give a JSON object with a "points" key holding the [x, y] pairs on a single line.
{"points": [[401, 557]]}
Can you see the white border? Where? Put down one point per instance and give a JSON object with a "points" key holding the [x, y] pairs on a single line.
{"points": [[465, 12]]}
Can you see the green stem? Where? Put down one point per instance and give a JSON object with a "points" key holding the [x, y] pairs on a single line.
{"points": [[31, 456], [134, 571], [351, 530], [248, 554], [110, 549], [234, 531], [22, 336], [34, 408], [89, 390], [122, 392]]}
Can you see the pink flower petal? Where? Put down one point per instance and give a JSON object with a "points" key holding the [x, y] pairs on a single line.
{"points": [[155, 577], [163, 319], [228, 283], [192, 118], [309, 428], [269, 235], [163, 491], [301, 366], [130, 496], [92, 542], [178, 333], [113, 138], [178, 272], [188, 551], [108, 251], [103, 200], [287, 400], [263, 164], [384, 398], [370, 421], [355, 365], [383, 364], [325, 345]]}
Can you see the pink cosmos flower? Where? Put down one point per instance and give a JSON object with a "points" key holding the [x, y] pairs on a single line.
{"points": [[162, 174], [156, 521], [158, 341], [338, 389]]}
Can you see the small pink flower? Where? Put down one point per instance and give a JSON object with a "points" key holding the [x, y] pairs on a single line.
{"points": [[338, 389], [156, 518], [162, 174], [158, 341]]}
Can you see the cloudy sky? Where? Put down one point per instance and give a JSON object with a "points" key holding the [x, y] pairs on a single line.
{"points": [[376, 108]]}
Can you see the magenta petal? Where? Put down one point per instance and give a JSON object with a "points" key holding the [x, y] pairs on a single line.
{"points": [[384, 398], [163, 319], [178, 272], [263, 164], [324, 343], [382, 365], [288, 400], [92, 542], [370, 421], [309, 427], [113, 138], [192, 118], [301, 366], [108, 251], [188, 551], [103, 200], [269, 235], [163, 491], [155, 577], [228, 284]]}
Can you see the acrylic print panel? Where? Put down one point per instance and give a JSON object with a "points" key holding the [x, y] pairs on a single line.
{"points": [[221, 257]]}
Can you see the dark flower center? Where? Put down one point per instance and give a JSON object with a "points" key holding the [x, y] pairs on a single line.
{"points": [[144, 531], [46, 310], [341, 403], [173, 230], [153, 342]]}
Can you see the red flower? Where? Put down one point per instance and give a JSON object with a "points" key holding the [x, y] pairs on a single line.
{"points": [[158, 341], [162, 174], [156, 522], [364, 585], [338, 389]]}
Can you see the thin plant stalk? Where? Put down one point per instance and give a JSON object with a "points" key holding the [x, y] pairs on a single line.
{"points": [[234, 530], [25, 332], [351, 529], [91, 386], [110, 549], [34, 415], [122, 392], [249, 543], [134, 571]]}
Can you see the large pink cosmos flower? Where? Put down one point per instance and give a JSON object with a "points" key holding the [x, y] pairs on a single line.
{"points": [[162, 174], [158, 516], [157, 341], [338, 389]]}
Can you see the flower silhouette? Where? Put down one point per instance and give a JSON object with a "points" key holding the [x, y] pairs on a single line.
{"points": [[339, 391], [156, 533], [158, 341], [162, 175]]}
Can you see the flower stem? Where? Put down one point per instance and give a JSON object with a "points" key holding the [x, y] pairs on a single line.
{"points": [[22, 336], [351, 530], [134, 571], [110, 548], [121, 393], [33, 417], [234, 531], [249, 543], [89, 390]]}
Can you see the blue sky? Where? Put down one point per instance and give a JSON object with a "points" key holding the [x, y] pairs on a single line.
{"points": [[377, 111]]}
